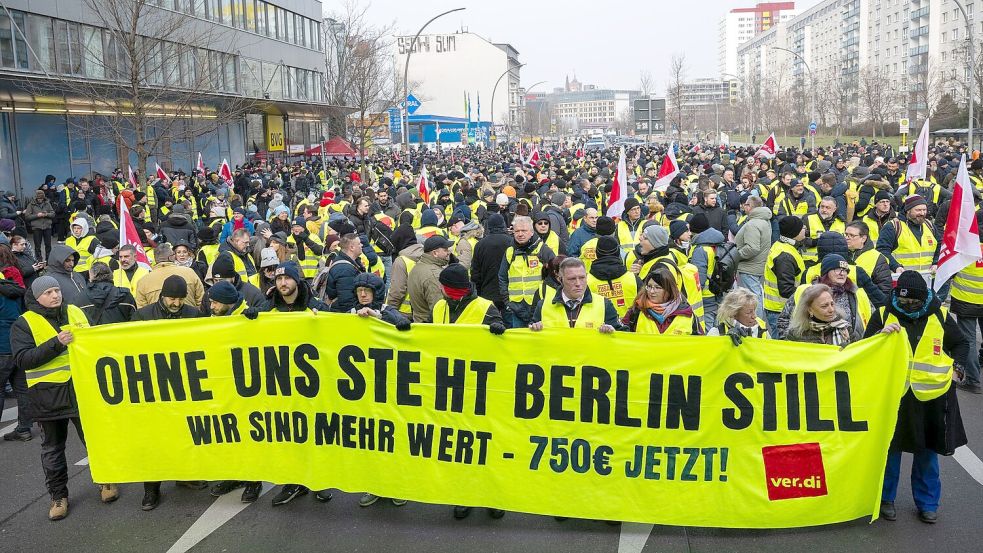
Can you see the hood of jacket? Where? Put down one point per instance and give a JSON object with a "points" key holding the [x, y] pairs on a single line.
{"points": [[413, 251], [709, 237], [56, 259], [179, 221], [496, 224], [760, 213], [369, 280], [83, 223], [405, 200], [103, 293], [429, 259], [608, 267]]}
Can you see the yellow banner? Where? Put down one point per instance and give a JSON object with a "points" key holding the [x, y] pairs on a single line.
{"points": [[274, 133], [675, 430]]}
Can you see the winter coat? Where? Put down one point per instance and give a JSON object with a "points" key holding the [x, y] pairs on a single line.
{"points": [[11, 307], [390, 315], [148, 288], [70, 282], [104, 303], [699, 259], [157, 312], [716, 216], [48, 400], [882, 276], [754, 242], [35, 221], [844, 297], [522, 310], [177, 229], [424, 288], [25, 262], [936, 424], [305, 300], [251, 294], [341, 282], [558, 224], [581, 236], [8, 209], [487, 260]]}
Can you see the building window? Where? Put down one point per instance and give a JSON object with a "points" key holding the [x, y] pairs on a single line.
{"points": [[93, 53], [42, 42]]}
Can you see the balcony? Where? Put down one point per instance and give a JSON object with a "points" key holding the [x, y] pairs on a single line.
{"points": [[919, 50], [921, 31], [919, 13]]}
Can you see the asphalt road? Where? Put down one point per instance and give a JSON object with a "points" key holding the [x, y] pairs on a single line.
{"points": [[194, 521]]}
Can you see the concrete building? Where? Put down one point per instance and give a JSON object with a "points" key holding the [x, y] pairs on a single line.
{"points": [[447, 72], [264, 56], [740, 25]]}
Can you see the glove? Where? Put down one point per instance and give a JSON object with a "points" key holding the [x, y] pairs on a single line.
{"points": [[735, 339], [403, 326], [497, 329], [251, 313]]}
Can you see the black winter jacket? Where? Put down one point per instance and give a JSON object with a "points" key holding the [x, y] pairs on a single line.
{"points": [[48, 401], [104, 303]]}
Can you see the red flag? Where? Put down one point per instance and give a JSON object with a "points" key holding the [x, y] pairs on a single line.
{"points": [[128, 235], [918, 163], [424, 186], [668, 170], [132, 176], [619, 188], [768, 149], [961, 240], [225, 172], [533, 158], [201, 165], [580, 152], [161, 174]]}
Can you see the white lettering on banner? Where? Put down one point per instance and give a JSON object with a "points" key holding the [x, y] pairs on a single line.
{"points": [[440, 44]]}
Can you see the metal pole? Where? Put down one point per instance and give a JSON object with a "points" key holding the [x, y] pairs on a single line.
{"points": [[972, 75], [744, 88], [403, 114], [813, 79], [522, 117], [495, 89]]}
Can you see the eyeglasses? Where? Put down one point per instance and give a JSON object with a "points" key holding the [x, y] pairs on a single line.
{"points": [[542, 222], [849, 235], [653, 287]]}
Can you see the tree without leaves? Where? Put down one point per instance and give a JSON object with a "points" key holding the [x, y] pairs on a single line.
{"points": [[877, 97], [646, 83], [152, 87], [675, 112]]}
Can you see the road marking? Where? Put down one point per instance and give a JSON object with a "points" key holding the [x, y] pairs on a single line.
{"points": [[8, 428], [9, 414], [83, 462], [222, 510], [633, 537], [969, 461]]}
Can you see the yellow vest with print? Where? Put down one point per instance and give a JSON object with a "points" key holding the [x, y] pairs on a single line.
{"points": [[930, 369], [525, 274], [473, 314], [621, 291]]}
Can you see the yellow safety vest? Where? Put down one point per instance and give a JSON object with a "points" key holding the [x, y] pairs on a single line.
{"points": [[967, 284], [588, 252], [591, 314], [626, 237], [56, 371], [525, 276], [773, 300], [121, 280], [378, 269], [799, 207], [308, 265], [864, 308], [711, 253], [930, 369], [873, 228], [912, 254], [240, 267], [621, 291], [209, 252], [552, 242], [81, 245], [405, 307], [473, 313], [681, 325], [868, 260], [816, 229]]}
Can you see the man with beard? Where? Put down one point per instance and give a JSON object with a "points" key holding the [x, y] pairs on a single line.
{"points": [[911, 244]]}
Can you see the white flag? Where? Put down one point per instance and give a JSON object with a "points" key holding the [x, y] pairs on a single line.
{"points": [[961, 239], [619, 188], [918, 163]]}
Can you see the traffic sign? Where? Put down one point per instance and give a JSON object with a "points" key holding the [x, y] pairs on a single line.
{"points": [[412, 104], [904, 125], [395, 124], [812, 127]]}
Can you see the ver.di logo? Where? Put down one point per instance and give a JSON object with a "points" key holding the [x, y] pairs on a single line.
{"points": [[794, 470]]}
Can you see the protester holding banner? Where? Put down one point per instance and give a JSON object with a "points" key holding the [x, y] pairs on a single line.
{"points": [[929, 423], [852, 303], [660, 306], [736, 317], [817, 317]]}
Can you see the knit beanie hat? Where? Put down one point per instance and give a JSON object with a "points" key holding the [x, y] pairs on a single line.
{"points": [[913, 201], [224, 292], [455, 275], [911, 285], [699, 223], [657, 235], [607, 246], [605, 226], [223, 267], [43, 284], [833, 261], [790, 226], [677, 228], [174, 287], [290, 269]]}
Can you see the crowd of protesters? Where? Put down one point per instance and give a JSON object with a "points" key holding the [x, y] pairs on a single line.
{"points": [[828, 246]]}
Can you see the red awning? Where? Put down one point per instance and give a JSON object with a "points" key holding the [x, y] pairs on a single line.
{"points": [[334, 147]]}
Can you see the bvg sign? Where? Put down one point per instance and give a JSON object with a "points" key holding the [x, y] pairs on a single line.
{"points": [[274, 133]]}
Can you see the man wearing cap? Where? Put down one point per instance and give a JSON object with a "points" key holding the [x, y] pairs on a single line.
{"points": [[679, 237], [307, 247], [603, 226], [268, 260], [149, 287], [783, 268], [910, 244], [704, 241], [423, 284], [237, 245], [207, 246], [520, 273], [929, 423], [461, 305], [881, 212], [39, 347], [630, 227]]}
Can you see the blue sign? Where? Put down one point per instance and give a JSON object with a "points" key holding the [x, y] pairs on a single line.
{"points": [[395, 123], [412, 104], [812, 128]]}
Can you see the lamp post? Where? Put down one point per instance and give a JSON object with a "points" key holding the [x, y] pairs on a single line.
{"points": [[972, 73], [403, 114], [750, 104], [494, 90], [813, 79], [522, 119]]}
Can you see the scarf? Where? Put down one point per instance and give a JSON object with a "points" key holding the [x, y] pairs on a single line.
{"points": [[839, 330], [183, 263], [455, 294], [238, 223], [658, 312]]}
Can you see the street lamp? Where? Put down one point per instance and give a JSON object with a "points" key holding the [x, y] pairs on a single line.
{"points": [[523, 118], [403, 114], [972, 73], [813, 87], [750, 104], [495, 89]]}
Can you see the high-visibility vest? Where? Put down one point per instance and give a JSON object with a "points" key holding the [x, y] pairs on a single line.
{"points": [[724, 328], [405, 307], [525, 274], [799, 207], [681, 325], [868, 260], [873, 227], [773, 300], [913, 254], [967, 284], [56, 371], [864, 308], [626, 237], [621, 291], [240, 267], [930, 369], [121, 280], [588, 252], [378, 269], [427, 232], [552, 241], [209, 252], [151, 202], [913, 187], [977, 182], [816, 229], [711, 253], [473, 314], [81, 245], [298, 209], [591, 314], [308, 265]]}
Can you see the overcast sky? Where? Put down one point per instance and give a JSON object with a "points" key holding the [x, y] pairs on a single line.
{"points": [[606, 43]]}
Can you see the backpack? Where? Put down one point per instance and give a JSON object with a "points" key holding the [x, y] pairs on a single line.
{"points": [[725, 270], [381, 236]]}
